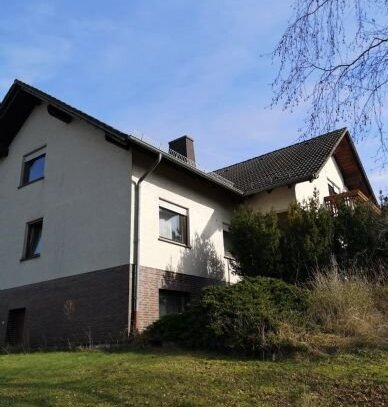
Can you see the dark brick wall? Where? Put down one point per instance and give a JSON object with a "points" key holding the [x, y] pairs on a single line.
{"points": [[151, 280], [73, 309]]}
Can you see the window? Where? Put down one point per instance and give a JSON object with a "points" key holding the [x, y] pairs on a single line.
{"points": [[15, 326], [33, 167], [172, 302], [173, 222], [33, 239], [227, 242], [333, 188]]}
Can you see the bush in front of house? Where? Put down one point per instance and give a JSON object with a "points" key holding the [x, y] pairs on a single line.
{"points": [[243, 318], [310, 239], [307, 240], [255, 243]]}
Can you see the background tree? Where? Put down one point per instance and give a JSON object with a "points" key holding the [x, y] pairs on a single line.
{"points": [[334, 55], [361, 236]]}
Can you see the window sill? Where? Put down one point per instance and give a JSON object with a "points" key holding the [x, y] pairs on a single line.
{"points": [[35, 256], [163, 239], [29, 183]]}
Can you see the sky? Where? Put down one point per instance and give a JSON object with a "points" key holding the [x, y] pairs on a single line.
{"points": [[163, 68]]}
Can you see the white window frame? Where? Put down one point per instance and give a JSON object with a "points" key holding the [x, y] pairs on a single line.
{"points": [[39, 152], [180, 210]]}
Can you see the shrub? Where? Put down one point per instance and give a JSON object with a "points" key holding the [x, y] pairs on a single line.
{"points": [[261, 247], [255, 240], [360, 235], [307, 242], [243, 318], [311, 238]]}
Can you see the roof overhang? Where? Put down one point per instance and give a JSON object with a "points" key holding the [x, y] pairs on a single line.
{"points": [[21, 99], [14, 111], [351, 167], [348, 160]]}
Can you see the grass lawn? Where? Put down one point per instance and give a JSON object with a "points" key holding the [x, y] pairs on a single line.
{"points": [[97, 378]]}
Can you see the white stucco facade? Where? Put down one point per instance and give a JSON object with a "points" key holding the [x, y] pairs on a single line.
{"points": [[208, 210], [330, 173], [86, 202], [278, 199], [83, 200]]}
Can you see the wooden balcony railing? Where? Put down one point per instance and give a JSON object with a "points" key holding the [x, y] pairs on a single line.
{"points": [[349, 198]]}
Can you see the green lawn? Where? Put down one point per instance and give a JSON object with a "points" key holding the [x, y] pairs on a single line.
{"points": [[97, 378]]}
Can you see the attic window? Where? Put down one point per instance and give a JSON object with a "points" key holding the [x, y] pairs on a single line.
{"points": [[33, 167]]}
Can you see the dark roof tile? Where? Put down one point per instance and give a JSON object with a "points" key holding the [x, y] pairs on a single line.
{"points": [[296, 163]]}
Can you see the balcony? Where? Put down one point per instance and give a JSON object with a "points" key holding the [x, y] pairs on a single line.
{"points": [[349, 198]]}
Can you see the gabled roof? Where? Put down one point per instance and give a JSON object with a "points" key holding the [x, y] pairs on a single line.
{"points": [[21, 99], [301, 162], [289, 165]]}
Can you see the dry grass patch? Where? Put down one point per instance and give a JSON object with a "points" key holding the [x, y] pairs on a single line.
{"points": [[350, 305]]}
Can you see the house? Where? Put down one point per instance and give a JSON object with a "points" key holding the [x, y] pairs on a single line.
{"points": [[102, 232]]}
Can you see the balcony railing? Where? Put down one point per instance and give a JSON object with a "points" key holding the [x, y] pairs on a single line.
{"points": [[349, 198]]}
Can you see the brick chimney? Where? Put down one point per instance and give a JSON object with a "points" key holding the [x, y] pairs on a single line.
{"points": [[185, 146]]}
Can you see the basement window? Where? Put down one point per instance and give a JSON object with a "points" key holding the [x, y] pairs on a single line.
{"points": [[173, 223], [32, 246], [15, 327], [33, 167], [172, 302]]}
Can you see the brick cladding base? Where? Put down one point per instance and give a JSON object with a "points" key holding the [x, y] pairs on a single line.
{"points": [[89, 307], [151, 280]]}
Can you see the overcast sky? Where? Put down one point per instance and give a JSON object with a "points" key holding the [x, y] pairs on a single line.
{"points": [[162, 68]]}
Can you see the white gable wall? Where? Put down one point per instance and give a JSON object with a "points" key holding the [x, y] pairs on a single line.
{"points": [[330, 171], [278, 199], [83, 199]]}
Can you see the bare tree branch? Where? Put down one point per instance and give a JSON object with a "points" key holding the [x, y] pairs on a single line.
{"points": [[334, 56]]}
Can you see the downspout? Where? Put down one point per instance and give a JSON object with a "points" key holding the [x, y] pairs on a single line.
{"points": [[136, 244]]}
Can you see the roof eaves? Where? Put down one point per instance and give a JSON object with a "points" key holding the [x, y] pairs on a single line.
{"points": [[175, 160], [281, 184], [361, 167]]}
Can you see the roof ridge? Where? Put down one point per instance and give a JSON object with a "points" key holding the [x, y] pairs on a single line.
{"points": [[341, 130]]}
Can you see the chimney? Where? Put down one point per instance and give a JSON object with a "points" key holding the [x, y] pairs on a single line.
{"points": [[184, 146]]}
